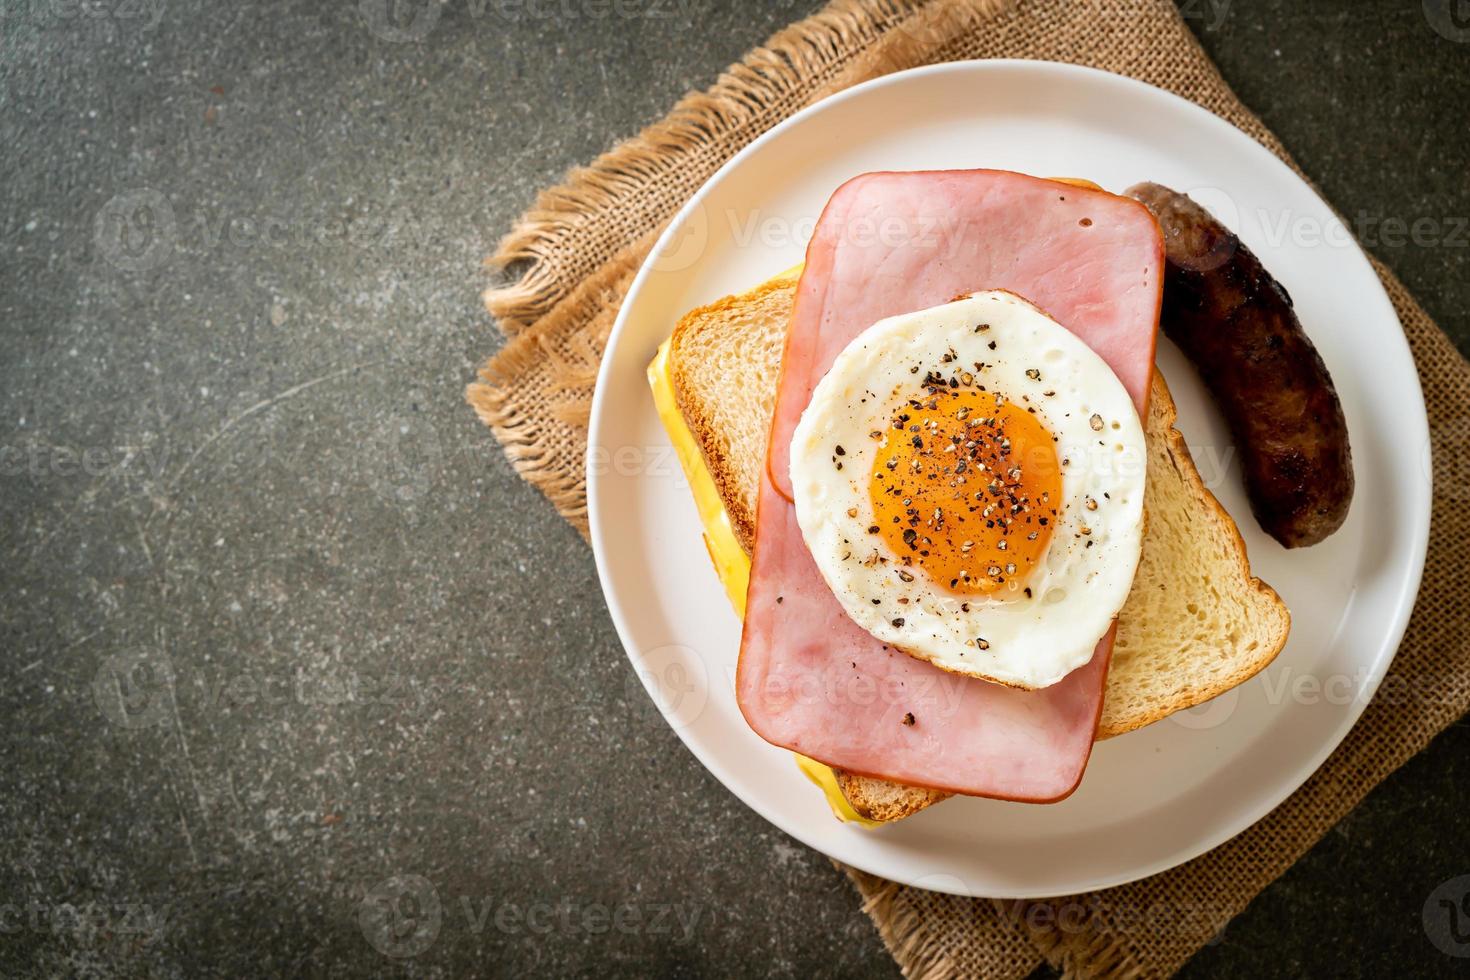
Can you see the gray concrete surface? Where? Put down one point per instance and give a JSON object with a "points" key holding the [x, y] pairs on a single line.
{"points": [[285, 639]]}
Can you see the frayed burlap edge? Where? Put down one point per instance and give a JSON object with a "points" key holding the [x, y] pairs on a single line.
{"points": [[566, 348], [921, 952], [555, 236]]}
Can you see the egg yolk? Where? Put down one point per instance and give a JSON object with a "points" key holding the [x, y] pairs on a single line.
{"points": [[966, 488]]}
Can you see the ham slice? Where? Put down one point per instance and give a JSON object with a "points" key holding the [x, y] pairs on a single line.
{"points": [[809, 679]]}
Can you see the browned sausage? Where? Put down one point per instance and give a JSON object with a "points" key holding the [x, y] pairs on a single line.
{"points": [[1236, 324]]}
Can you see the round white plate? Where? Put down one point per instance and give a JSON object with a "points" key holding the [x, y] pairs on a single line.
{"points": [[1156, 797]]}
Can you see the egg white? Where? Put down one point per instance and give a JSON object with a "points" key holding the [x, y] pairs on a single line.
{"points": [[1030, 640]]}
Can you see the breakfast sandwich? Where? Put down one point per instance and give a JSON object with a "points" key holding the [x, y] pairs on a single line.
{"points": [[939, 477]]}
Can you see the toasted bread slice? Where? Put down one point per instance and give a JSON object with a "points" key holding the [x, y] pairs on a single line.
{"points": [[725, 360], [1195, 625], [878, 799]]}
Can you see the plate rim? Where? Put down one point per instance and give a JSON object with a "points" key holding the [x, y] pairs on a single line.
{"points": [[1419, 516]]}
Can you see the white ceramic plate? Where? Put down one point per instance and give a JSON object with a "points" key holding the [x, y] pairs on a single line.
{"points": [[1151, 799]]}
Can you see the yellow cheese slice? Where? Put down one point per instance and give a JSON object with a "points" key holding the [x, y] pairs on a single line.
{"points": [[730, 561]]}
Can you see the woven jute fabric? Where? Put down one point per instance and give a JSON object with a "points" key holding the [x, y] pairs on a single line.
{"points": [[575, 254]]}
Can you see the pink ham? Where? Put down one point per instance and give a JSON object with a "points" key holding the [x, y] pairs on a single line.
{"points": [[809, 679]]}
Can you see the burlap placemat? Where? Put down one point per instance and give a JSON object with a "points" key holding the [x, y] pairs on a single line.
{"points": [[582, 244]]}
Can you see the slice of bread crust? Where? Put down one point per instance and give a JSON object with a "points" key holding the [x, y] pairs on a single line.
{"points": [[878, 799], [725, 359], [1195, 625]]}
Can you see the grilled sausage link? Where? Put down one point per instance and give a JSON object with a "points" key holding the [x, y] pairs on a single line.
{"points": [[1236, 324]]}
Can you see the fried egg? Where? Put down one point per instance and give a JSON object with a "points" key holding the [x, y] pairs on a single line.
{"points": [[969, 481]]}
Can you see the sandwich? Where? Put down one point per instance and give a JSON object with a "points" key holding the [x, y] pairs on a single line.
{"points": [[938, 476]]}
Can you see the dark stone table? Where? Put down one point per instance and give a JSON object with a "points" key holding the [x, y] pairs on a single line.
{"points": [[241, 471]]}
